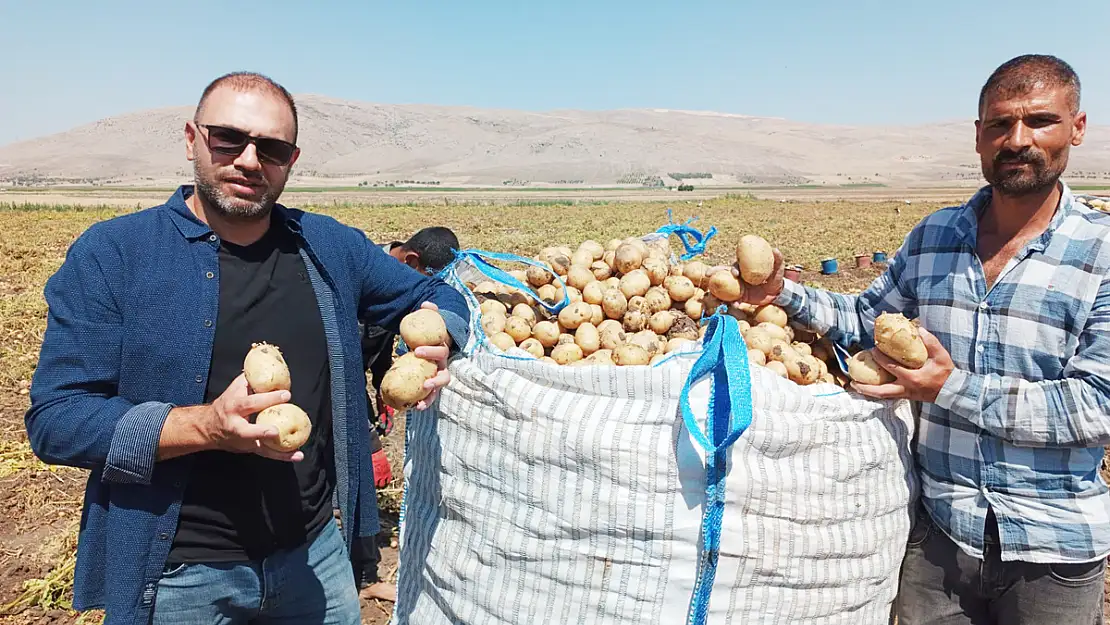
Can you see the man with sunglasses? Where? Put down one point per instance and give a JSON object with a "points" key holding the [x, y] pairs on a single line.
{"points": [[189, 516]]}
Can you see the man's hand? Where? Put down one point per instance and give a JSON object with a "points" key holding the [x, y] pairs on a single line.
{"points": [[763, 294], [225, 425], [437, 354], [922, 384]]}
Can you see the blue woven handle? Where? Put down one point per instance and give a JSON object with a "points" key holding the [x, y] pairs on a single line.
{"points": [[725, 357], [478, 258], [699, 241]]}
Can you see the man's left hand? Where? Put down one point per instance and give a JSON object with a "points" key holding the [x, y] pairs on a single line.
{"points": [[437, 354], [922, 384]]}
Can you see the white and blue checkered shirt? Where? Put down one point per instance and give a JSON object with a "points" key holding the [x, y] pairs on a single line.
{"points": [[1021, 423]]}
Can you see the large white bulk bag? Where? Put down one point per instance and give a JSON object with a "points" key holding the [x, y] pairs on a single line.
{"points": [[543, 494]]}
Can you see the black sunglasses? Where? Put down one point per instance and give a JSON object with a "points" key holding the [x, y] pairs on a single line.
{"points": [[232, 142]]}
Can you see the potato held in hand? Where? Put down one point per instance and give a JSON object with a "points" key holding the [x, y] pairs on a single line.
{"points": [[863, 369], [755, 258], [897, 337], [265, 369], [403, 384], [292, 424], [424, 328]]}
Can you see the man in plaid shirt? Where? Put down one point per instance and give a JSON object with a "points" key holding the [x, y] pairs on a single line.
{"points": [[1012, 290]]}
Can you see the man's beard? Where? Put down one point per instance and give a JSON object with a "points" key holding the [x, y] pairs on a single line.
{"points": [[1039, 176], [231, 207]]}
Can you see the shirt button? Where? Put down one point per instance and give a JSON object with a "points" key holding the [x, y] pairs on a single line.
{"points": [[208, 323], [209, 275], [979, 348], [199, 379], [212, 238], [164, 536], [982, 305]]}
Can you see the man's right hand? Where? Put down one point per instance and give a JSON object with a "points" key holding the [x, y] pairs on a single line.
{"points": [[224, 425], [763, 294]]}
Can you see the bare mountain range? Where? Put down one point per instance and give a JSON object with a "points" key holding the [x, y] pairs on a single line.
{"points": [[349, 143]]}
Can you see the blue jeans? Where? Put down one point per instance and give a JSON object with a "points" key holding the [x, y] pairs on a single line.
{"points": [[310, 585]]}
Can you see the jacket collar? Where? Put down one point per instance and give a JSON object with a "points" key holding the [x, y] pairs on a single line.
{"points": [[192, 227]]}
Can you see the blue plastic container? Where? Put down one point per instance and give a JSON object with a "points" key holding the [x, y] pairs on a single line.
{"points": [[879, 257], [829, 266]]}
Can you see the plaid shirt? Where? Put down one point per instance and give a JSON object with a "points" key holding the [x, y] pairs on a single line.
{"points": [[1021, 423]]}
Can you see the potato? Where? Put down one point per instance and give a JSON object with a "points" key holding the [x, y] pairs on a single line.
{"points": [[802, 349], [588, 338], [677, 269], [630, 354], [657, 299], [779, 369], [491, 305], [525, 312], [550, 294], [863, 369], [898, 338], [578, 277], [759, 339], [504, 341], [648, 340], [613, 244], [609, 323], [634, 321], [640, 304], [549, 360], [518, 329], [744, 326], [615, 304], [601, 357], [567, 353], [519, 274], [600, 270], [597, 315], [639, 244], [657, 358], [775, 331], [593, 247], [546, 332], [520, 297], [612, 283], [802, 370], [292, 424], [539, 276], [725, 287], [493, 323], [575, 315], [781, 351], [574, 295], [581, 258], [827, 379], [593, 293], [403, 383], [683, 327], [486, 288], [771, 314], [635, 282], [756, 356], [557, 259], [657, 270], [628, 258], [565, 338], [610, 259], [755, 258], [694, 308], [661, 322], [679, 288], [696, 271], [265, 369], [532, 346], [612, 337], [677, 344]]}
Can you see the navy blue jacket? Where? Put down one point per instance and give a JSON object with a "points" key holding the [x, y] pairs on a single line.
{"points": [[132, 314]]}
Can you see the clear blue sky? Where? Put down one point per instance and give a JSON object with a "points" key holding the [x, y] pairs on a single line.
{"points": [[881, 61]]}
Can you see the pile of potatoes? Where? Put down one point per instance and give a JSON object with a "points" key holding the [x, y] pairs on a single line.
{"points": [[631, 305], [1099, 204]]}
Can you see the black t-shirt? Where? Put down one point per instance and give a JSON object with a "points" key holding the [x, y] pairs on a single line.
{"points": [[243, 506]]}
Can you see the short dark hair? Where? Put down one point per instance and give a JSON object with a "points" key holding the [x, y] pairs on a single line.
{"points": [[434, 245], [1021, 74], [249, 81]]}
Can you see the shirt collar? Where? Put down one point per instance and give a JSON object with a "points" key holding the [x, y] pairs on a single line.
{"points": [[968, 222], [192, 227]]}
